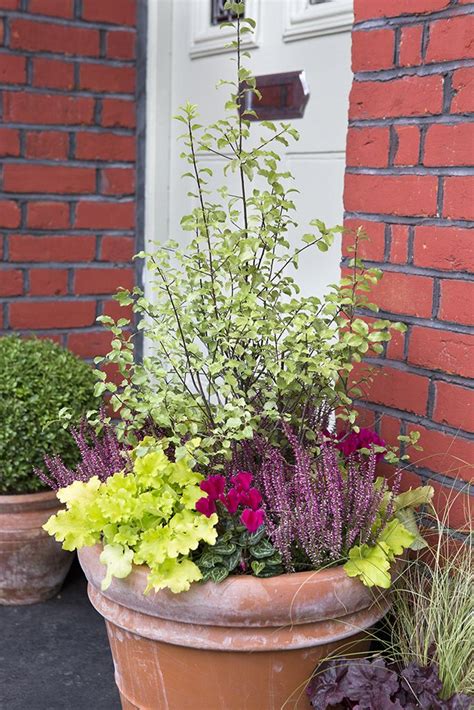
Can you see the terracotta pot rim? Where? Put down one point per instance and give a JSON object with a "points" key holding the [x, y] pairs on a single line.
{"points": [[329, 573], [236, 638], [298, 598], [20, 502]]}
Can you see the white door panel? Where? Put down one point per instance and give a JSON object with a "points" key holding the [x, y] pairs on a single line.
{"points": [[291, 36]]}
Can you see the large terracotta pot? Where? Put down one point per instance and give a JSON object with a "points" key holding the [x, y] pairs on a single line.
{"points": [[32, 564], [245, 644]]}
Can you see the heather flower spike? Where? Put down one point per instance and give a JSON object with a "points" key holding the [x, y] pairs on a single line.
{"points": [[102, 455]]}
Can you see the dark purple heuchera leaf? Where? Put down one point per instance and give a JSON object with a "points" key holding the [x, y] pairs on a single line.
{"points": [[360, 684], [421, 682], [101, 455], [330, 685], [420, 687], [372, 685], [460, 701], [364, 684]]}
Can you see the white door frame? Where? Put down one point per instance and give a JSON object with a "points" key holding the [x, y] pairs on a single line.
{"points": [[158, 109]]}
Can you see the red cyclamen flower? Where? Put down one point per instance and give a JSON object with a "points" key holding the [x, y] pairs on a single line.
{"points": [[253, 498], [232, 500], [242, 480], [213, 486], [252, 519], [350, 442], [206, 506]]}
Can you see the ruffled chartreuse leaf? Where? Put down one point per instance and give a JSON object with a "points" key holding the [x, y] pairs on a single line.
{"points": [[396, 537], [118, 560], [371, 564], [118, 500], [79, 491], [182, 474], [407, 517], [191, 495], [151, 469], [72, 528], [176, 575]]}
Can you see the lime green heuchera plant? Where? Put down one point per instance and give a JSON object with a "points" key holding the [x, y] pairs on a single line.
{"points": [[146, 516], [241, 375]]}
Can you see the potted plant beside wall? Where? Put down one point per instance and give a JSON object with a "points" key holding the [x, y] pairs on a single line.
{"points": [[38, 378], [241, 539]]}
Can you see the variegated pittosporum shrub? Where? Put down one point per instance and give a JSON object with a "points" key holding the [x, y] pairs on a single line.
{"points": [[241, 374], [38, 379], [232, 344], [147, 516]]}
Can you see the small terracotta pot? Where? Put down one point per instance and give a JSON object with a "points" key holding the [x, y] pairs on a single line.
{"points": [[245, 644], [32, 564]]}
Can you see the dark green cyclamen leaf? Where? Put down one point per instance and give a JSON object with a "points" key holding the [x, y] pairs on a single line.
{"points": [[275, 559], [262, 550], [270, 571], [247, 539], [208, 560], [232, 561], [224, 549], [257, 567], [254, 538], [218, 574]]}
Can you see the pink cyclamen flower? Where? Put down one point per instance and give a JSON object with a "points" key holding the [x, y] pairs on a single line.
{"points": [[213, 486], [242, 480], [232, 500], [252, 519], [350, 442], [206, 506], [254, 498]]}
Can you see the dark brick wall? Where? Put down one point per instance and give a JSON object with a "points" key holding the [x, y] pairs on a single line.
{"points": [[68, 152], [409, 182]]}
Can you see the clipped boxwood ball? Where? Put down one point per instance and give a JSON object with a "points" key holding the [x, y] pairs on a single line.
{"points": [[37, 379]]}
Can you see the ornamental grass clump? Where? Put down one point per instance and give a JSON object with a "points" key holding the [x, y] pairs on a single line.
{"points": [[433, 611], [39, 379]]}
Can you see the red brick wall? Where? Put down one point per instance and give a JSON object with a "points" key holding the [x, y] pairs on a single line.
{"points": [[409, 181], [68, 147]]}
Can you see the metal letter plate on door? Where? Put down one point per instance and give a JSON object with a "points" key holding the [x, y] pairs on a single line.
{"points": [[284, 96]]}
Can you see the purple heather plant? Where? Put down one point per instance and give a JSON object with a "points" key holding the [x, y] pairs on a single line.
{"points": [[102, 455], [317, 507]]}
